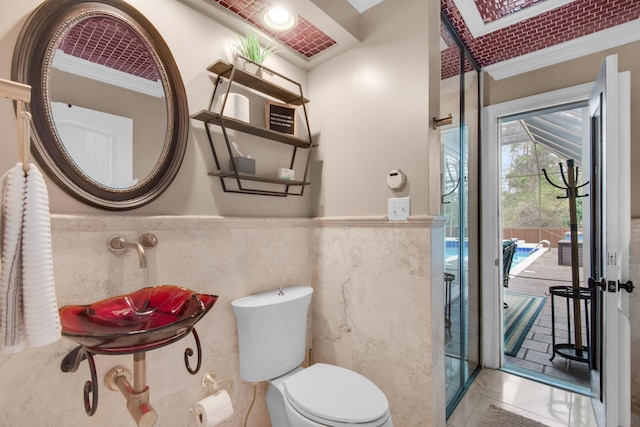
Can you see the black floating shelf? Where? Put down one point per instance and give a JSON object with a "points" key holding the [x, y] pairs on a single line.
{"points": [[216, 119], [249, 177], [223, 69]]}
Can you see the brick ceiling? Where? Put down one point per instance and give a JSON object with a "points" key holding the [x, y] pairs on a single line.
{"points": [[108, 42], [508, 37], [305, 38], [492, 10], [562, 24]]}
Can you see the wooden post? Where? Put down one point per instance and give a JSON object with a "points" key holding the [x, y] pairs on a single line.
{"points": [[572, 193]]}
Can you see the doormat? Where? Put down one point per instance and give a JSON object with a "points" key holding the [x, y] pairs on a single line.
{"points": [[519, 316], [501, 417]]}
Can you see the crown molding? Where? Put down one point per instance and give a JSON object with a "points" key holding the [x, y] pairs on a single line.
{"points": [[91, 70], [478, 27], [596, 42]]}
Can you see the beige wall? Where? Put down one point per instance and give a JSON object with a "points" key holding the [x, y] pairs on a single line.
{"points": [[571, 73], [370, 110], [195, 46], [372, 107]]}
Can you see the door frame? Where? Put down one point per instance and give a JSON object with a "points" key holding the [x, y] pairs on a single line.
{"points": [[611, 388], [490, 211]]}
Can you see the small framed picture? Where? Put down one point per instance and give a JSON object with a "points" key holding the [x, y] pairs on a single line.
{"points": [[281, 118]]}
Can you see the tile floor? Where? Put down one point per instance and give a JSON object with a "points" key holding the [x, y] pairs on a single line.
{"points": [[545, 404]]}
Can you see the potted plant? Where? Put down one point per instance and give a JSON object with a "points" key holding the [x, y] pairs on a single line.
{"points": [[250, 48]]}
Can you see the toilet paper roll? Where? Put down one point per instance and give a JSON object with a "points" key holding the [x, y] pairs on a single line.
{"points": [[214, 409], [237, 107]]}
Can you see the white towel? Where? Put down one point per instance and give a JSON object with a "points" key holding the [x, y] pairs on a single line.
{"points": [[28, 294], [12, 331], [41, 315]]}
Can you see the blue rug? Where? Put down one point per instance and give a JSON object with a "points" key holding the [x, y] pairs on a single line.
{"points": [[519, 318]]}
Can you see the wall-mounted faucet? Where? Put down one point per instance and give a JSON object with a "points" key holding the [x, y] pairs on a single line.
{"points": [[118, 245]]}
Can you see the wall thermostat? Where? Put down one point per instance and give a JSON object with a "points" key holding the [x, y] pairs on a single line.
{"points": [[396, 179]]}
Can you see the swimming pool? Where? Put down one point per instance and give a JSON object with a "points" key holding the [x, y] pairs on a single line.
{"points": [[523, 251]]}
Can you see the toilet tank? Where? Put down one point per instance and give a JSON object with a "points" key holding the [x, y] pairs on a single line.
{"points": [[272, 332]]}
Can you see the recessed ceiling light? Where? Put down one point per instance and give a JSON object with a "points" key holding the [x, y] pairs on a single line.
{"points": [[279, 18]]}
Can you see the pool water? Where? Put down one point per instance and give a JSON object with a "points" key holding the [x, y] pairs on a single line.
{"points": [[451, 250]]}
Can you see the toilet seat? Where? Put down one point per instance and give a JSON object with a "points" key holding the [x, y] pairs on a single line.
{"points": [[335, 396]]}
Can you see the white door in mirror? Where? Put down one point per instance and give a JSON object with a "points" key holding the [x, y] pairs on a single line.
{"points": [[399, 208]]}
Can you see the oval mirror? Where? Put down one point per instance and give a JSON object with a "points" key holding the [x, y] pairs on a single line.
{"points": [[110, 119]]}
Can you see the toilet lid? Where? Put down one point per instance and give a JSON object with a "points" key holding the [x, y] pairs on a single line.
{"points": [[336, 395]]}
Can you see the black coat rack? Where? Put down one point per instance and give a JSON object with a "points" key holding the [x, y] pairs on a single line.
{"points": [[571, 193]]}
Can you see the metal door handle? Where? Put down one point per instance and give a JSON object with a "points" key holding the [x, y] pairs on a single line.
{"points": [[602, 283], [626, 286]]}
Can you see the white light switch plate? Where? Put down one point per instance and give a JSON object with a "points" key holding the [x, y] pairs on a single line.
{"points": [[399, 209]]}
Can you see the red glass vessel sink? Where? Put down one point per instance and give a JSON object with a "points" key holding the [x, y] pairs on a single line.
{"points": [[142, 320]]}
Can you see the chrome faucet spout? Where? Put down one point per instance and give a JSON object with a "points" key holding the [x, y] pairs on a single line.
{"points": [[118, 245]]}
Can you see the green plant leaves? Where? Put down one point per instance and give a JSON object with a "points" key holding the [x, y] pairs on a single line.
{"points": [[250, 48]]}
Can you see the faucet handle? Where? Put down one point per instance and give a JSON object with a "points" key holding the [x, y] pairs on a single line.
{"points": [[148, 240], [117, 244]]}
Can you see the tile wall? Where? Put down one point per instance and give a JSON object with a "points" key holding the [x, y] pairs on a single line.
{"points": [[225, 257], [371, 311], [374, 305]]}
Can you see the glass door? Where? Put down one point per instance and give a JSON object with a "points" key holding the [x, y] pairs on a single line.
{"points": [[459, 99]]}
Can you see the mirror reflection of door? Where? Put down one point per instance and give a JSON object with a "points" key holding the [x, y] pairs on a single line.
{"points": [[100, 144]]}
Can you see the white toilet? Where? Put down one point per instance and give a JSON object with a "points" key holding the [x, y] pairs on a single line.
{"points": [[272, 330]]}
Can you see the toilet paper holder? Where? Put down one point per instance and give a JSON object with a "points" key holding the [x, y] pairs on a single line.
{"points": [[209, 381]]}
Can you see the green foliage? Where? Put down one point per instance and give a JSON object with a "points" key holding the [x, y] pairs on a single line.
{"points": [[250, 48], [528, 200]]}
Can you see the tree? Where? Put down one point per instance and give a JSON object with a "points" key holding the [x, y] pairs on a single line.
{"points": [[528, 200]]}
